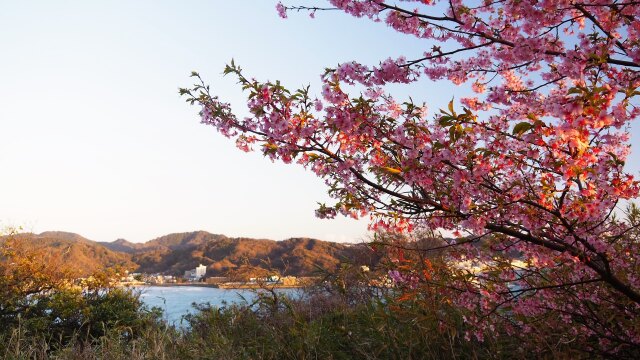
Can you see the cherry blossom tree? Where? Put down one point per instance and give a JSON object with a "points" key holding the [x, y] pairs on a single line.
{"points": [[529, 168]]}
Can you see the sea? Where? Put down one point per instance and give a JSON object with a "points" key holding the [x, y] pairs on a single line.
{"points": [[177, 301]]}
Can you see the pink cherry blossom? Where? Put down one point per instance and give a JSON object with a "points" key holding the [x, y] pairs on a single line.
{"points": [[531, 168]]}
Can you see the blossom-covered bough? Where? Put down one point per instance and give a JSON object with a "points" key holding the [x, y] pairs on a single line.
{"points": [[531, 167]]}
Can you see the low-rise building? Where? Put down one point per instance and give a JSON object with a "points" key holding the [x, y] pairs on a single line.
{"points": [[196, 274]]}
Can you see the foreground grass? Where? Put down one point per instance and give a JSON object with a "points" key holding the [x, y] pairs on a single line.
{"points": [[319, 326]]}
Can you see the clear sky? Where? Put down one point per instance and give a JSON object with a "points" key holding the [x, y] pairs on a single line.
{"points": [[96, 140]]}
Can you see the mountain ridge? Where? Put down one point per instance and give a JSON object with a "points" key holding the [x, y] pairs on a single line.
{"points": [[176, 252]]}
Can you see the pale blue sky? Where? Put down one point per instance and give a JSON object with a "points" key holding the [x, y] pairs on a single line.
{"points": [[96, 140]]}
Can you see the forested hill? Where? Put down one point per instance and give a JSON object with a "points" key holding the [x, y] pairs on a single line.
{"points": [[82, 255], [175, 253]]}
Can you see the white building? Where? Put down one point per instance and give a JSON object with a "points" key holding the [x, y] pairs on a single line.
{"points": [[201, 271], [196, 274]]}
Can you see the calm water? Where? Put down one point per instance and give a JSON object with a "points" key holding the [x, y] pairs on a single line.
{"points": [[177, 301]]}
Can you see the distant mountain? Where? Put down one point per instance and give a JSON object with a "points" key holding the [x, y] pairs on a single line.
{"points": [[83, 255], [184, 240], [175, 253], [122, 245]]}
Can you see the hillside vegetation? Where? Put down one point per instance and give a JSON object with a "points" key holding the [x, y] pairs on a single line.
{"points": [[175, 253], [82, 256]]}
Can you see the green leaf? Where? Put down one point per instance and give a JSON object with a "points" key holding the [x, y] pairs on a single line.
{"points": [[455, 132], [446, 120], [522, 128], [574, 90]]}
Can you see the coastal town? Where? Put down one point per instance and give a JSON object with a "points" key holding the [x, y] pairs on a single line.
{"points": [[197, 277]]}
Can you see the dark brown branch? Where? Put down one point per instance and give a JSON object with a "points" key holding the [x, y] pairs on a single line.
{"points": [[606, 276]]}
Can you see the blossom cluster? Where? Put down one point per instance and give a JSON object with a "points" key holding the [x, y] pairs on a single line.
{"points": [[534, 160]]}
